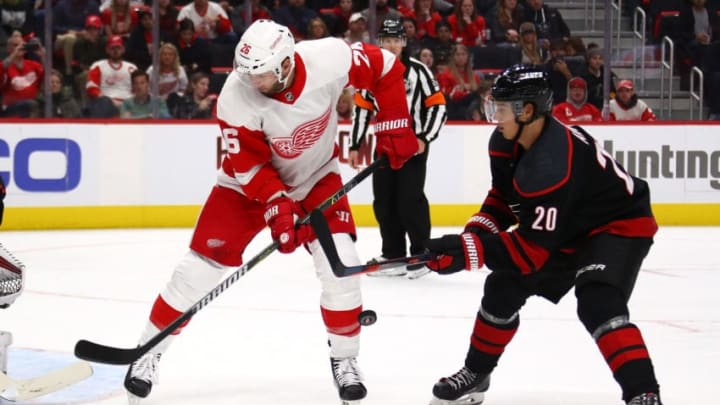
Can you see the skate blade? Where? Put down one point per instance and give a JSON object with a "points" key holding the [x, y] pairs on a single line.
{"points": [[416, 274], [344, 402], [475, 398]]}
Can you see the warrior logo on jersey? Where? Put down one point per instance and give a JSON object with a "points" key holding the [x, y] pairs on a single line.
{"points": [[303, 137]]}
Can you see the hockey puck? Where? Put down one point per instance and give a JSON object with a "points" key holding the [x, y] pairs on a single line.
{"points": [[367, 317]]}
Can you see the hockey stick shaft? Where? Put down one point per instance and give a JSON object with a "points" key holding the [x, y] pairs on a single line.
{"points": [[99, 353], [324, 236]]}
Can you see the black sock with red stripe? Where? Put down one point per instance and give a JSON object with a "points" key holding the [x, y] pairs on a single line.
{"points": [[625, 353], [488, 342]]}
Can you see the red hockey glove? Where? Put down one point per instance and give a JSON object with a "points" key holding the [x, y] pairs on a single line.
{"points": [[481, 222], [455, 253], [395, 137], [280, 216]]}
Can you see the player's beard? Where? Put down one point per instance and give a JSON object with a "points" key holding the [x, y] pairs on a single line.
{"points": [[275, 89]]}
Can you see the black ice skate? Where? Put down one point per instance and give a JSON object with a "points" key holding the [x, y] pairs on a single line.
{"points": [[645, 399], [461, 388], [141, 376], [348, 380]]}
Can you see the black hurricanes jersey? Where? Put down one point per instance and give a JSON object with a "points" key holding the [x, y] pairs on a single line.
{"points": [[561, 191]]}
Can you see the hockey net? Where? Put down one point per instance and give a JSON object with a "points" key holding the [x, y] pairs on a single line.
{"points": [[11, 277]]}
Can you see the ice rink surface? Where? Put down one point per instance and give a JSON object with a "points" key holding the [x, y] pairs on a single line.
{"points": [[262, 341]]}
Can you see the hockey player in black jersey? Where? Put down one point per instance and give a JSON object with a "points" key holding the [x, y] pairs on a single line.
{"points": [[400, 205], [582, 221]]}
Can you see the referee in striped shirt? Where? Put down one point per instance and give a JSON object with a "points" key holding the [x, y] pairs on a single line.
{"points": [[399, 202]]}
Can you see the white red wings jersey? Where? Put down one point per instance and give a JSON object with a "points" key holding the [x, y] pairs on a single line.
{"points": [[205, 24], [286, 143], [110, 79], [639, 112], [568, 112]]}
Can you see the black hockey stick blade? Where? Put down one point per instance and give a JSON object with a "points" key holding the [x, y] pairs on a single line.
{"points": [[324, 236], [98, 353]]}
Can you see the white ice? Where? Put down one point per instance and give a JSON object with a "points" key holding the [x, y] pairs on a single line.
{"points": [[262, 341]]}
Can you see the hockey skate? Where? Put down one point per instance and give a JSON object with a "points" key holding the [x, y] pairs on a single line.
{"points": [[646, 399], [391, 272], [348, 380], [415, 271], [141, 376], [462, 388]]}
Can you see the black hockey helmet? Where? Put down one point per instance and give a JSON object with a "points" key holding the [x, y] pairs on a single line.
{"points": [[392, 27], [521, 84]]}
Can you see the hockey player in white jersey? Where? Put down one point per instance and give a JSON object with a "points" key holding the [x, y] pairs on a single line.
{"points": [[278, 118]]}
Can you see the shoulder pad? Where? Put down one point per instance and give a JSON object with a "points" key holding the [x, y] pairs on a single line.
{"points": [[546, 166], [499, 146]]}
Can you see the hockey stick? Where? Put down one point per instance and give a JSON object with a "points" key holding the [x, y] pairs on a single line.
{"points": [[21, 390], [322, 231], [99, 353]]}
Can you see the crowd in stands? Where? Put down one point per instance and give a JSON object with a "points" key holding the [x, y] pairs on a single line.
{"points": [[102, 52]]}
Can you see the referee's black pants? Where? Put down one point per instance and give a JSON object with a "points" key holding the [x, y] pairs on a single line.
{"points": [[401, 207]]}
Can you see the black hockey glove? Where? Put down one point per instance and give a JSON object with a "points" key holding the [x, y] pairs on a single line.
{"points": [[455, 253]]}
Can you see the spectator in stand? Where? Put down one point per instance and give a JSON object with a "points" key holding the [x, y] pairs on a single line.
{"points": [[70, 22], [576, 108], [109, 82], [172, 78], [425, 18], [711, 70], [468, 28], [194, 51], [71, 15], [89, 48], [413, 42], [458, 83], [476, 111], [140, 105], [296, 16], [140, 43], [532, 53], [168, 14], [428, 59], [63, 102], [20, 78], [548, 21], [357, 29], [574, 46], [338, 17], [558, 71], [696, 29], [197, 102], [383, 11], [317, 29], [210, 20], [17, 15], [259, 11], [442, 45], [627, 106], [119, 18], [595, 77], [504, 22]]}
